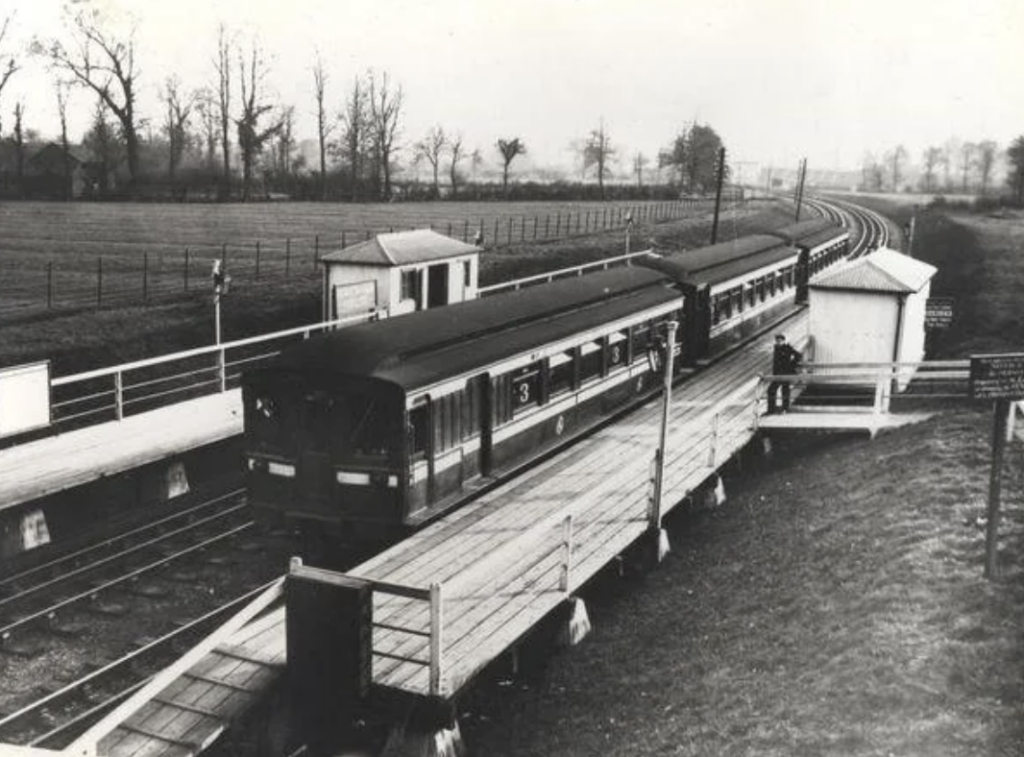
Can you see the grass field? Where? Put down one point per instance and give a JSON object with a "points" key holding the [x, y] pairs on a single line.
{"points": [[96, 254], [835, 605], [77, 339]]}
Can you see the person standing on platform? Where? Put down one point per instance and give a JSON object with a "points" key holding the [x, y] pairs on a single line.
{"points": [[785, 361]]}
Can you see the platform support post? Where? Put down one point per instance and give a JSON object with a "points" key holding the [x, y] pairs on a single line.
{"points": [[412, 739], [436, 638], [577, 623]]}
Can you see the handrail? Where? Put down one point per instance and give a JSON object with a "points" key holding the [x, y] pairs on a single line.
{"points": [[551, 275], [198, 351]]}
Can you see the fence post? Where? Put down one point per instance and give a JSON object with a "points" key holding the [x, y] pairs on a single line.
{"points": [[257, 259], [495, 232], [49, 285], [145, 276], [224, 256], [449, 228], [436, 638], [577, 222], [185, 274], [118, 395], [558, 224], [99, 281], [287, 257], [522, 230]]}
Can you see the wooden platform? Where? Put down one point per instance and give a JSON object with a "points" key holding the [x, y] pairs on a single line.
{"points": [[494, 568], [56, 463]]}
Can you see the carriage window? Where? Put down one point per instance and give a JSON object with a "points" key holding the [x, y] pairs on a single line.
{"points": [[751, 295], [526, 387], [761, 291], [418, 426], [737, 299], [560, 370], [616, 349], [590, 361], [641, 339]]}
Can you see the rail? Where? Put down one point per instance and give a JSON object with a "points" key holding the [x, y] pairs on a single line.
{"points": [[873, 387]]}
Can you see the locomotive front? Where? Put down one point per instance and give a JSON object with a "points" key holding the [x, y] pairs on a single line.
{"points": [[326, 452]]}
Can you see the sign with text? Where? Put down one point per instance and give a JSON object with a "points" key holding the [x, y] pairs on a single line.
{"points": [[997, 376], [938, 312]]}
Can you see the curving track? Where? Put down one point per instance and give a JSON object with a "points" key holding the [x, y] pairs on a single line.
{"points": [[868, 229]]}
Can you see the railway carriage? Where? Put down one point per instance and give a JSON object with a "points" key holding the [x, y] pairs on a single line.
{"points": [[374, 430], [733, 289], [821, 243], [384, 426]]}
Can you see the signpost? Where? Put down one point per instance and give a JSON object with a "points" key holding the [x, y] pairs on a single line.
{"points": [[997, 377]]}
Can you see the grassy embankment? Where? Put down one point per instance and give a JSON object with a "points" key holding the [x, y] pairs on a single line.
{"points": [[835, 605]]}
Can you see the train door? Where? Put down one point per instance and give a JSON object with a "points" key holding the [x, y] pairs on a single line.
{"points": [[421, 446], [486, 394], [696, 333]]}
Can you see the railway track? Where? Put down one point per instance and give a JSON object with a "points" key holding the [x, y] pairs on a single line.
{"points": [[79, 633], [869, 230]]}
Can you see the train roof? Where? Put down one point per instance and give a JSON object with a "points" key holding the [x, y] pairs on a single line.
{"points": [[721, 262], [423, 348], [811, 233]]}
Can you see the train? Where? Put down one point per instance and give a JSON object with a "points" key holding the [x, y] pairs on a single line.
{"points": [[371, 431]]}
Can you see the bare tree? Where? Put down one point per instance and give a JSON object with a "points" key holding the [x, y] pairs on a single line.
{"points": [[509, 149], [251, 138], [323, 128], [1015, 165], [966, 161], [640, 162], [430, 149], [19, 145], [223, 68], [385, 110], [931, 160], [206, 107], [950, 154], [476, 159], [598, 151], [8, 65], [456, 154], [179, 109], [895, 160], [872, 173], [62, 112], [285, 144], [987, 151], [105, 64], [355, 135]]}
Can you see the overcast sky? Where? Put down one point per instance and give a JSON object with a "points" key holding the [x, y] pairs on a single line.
{"points": [[777, 79]]}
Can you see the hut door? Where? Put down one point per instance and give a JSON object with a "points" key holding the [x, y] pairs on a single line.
{"points": [[437, 285]]}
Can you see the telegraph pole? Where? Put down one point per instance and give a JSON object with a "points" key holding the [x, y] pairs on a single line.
{"points": [[718, 193], [802, 173]]}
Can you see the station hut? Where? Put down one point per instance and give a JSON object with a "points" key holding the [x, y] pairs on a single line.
{"points": [[871, 310], [397, 273]]}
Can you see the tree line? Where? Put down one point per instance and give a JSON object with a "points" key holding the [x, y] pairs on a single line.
{"points": [[230, 139], [956, 166]]}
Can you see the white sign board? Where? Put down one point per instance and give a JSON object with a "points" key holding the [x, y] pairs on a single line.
{"points": [[24, 398], [355, 299]]}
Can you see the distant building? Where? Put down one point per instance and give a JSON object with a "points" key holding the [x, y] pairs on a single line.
{"points": [[397, 273]]}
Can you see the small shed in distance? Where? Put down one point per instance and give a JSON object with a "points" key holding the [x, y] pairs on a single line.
{"points": [[871, 310], [398, 273]]}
